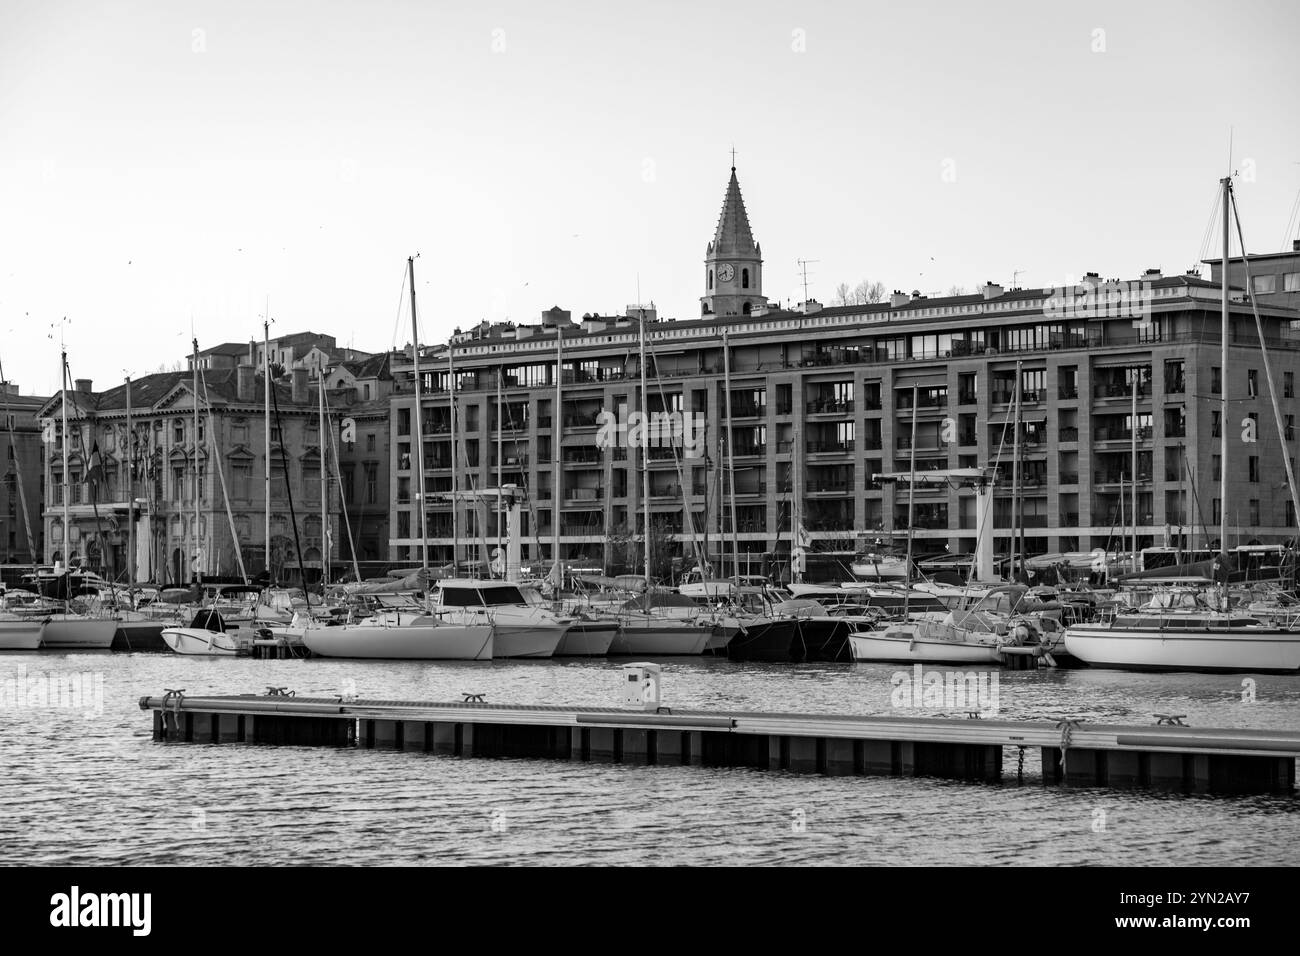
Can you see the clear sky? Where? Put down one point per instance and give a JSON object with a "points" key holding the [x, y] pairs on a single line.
{"points": [[170, 165]]}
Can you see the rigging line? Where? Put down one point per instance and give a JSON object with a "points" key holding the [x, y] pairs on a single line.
{"points": [[1291, 223], [338, 475], [401, 300], [1268, 367], [221, 474], [1208, 235]]}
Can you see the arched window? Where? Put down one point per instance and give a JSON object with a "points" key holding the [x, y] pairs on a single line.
{"points": [[745, 308], [710, 280], [744, 280]]}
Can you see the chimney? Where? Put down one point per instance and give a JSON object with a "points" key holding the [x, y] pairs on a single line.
{"points": [[991, 290], [298, 393], [810, 306], [244, 380], [83, 386], [899, 298], [1295, 245], [1152, 274]]}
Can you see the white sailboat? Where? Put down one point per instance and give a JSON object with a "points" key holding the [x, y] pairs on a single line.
{"points": [[1182, 631], [18, 633]]}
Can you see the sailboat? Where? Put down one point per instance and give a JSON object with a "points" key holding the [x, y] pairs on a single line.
{"points": [[1180, 630], [642, 632], [67, 630]]}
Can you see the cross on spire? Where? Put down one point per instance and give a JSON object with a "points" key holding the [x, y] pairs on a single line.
{"points": [[733, 158]]}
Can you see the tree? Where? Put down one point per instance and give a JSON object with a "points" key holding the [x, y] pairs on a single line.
{"points": [[957, 290], [868, 293], [843, 295]]}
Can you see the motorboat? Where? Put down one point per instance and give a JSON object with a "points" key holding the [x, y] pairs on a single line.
{"points": [[209, 635], [521, 628]]}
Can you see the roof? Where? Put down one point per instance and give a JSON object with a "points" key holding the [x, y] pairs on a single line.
{"points": [[147, 391], [376, 366], [227, 348], [733, 235]]}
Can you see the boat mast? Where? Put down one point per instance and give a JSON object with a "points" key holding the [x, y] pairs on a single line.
{"points": [[419, 430], [198, 533], [455, 483], [911, 506], [731, 461], [1133, 466], [1017, 532], [266, 432], [324, 478], [130, 493], [557, 431], [500, 462], [1224, 378], [645, 448], [67, 485]]}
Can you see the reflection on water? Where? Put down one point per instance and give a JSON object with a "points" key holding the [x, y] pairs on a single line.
{"points": [[88, 787]]}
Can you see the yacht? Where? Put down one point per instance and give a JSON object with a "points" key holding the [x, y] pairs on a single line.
{"points": [[521, 629]]}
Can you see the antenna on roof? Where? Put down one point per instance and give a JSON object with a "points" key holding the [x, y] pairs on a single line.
{"points": [[803, 269]]}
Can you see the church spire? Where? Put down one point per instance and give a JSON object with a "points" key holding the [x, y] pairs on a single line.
{"points": [[733, 235]]}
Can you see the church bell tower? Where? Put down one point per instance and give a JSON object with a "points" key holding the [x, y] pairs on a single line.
{"points": [[733, 263]]}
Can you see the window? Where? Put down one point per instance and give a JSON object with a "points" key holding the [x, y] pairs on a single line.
{"points": [[1216, 380], [1216, 510], [1254, 512], [1263, 285], [372, 482], [1174, 379], [1288, 384], [744, 278], [710, 280], [279, 488], [1252, 382], [1215, 423], [370, 441], [311, 480], [1216, 468], [178, 483], [1290, 428], [365, 393], [1253, 469], [178, 431], [345, 475], [1291, 282], [243, 479]]}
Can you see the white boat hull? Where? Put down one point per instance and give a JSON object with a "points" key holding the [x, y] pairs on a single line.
{"points": [[1235, 649], [65, 632], [194, 642], [897, 646], [21, 635], [421, 641], [656, 639], [527, 640], [591, 640]]}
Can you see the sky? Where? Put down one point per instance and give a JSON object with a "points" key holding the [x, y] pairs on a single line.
{"points": [[170, 170]]}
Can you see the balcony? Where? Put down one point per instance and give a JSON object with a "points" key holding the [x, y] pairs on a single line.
{"points": [[1067, 393], [828, 406], [1070, 433], [826, 486], [967, 398], [747, 410], [1069, 478], [584, 494], [751, 490], [586, 420], [1118, 390], [829, 447], [1115, 477], [967, 438], [581, 455], [749, 451], [1121, 434], [904, 442], [871, 404]]}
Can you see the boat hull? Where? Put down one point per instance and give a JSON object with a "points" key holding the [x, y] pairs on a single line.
{"points": [[21, 635], [899, 647], [70, 633], [587, 640], [660, 640], [193, 642], [408, 642], [1224, 651], [527, 640], [823, 640], [770, 641], [140, 636]]}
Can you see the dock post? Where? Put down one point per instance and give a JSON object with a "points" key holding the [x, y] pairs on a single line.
{"points": [[415, 735], [466, 743], [669, 748], [637, 747], [601, 748], [444, 739], [803, 754], [203, 729], [841, 757], [693, 748]]}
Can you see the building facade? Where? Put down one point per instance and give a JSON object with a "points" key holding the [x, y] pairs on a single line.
{"points": [[1116, 386], [161, 507], [21, 534]]}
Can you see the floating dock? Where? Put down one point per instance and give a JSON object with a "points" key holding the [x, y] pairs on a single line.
{"points": [[1164, 755]]}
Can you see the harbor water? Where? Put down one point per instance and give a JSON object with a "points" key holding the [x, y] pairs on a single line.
{"points": [[85, 784]]}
